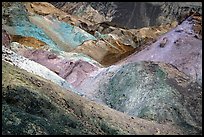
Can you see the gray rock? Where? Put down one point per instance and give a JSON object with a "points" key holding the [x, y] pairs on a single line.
{"points": [[141, 14]]}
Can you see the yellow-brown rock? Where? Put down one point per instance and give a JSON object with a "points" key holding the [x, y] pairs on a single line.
{"points": [[28, 41], [120, 43], [44, 8], [105, 52], [197, 26], [41, 8]]}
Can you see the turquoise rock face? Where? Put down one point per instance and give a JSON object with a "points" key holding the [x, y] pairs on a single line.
{"points": [[37, 33], [73, 35], [66, 36], [58, 35], [22, 26]]}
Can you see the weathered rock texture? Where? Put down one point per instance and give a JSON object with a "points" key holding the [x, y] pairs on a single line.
{"points": [[58, 35], [55, 62], [33, 67], [6, 38], [181, 47], [153, 91], [34, 106], [72, 70], [40, 21], [136, 14], [119, 43]]}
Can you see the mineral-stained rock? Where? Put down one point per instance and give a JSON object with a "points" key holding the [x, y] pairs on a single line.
{"points": [[135, 14], [105, 52], [32, 105], [28, 41], [33, 67], [41, 8], [17, 23], [73, 67], [72, 70], [153, 91], [120, 43], [66, 36], [197, 26], [58, 35], [156, 90], [44, 8], [183, 50]]}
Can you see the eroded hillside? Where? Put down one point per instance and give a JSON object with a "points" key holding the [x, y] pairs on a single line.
{"points": [[82, 71]]}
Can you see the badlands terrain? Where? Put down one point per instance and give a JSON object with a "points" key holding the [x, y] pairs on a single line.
{"points": [[101, 68]]}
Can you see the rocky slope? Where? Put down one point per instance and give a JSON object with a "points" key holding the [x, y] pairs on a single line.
{"points": [[181, 47], [153, 91], [135, 14], [35, 106], [82, 72]]}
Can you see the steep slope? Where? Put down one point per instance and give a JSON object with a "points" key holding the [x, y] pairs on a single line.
{"points": [[181, 47], [16, 22], [105, 43], [153, 91], [58, 35], [33, 105], [55, 62], [135, 14], [33, 67], [114, 44], [71, 68]]}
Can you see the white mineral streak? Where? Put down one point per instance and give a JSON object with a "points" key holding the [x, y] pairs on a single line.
{"points": [[35, 68]]}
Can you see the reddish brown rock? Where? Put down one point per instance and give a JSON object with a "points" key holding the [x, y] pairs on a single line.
{"points": [[6, 38]]}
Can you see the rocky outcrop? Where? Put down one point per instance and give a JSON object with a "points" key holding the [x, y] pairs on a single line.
{"points": [[28, 41], [66, 36], [105, 52], [109, 42], [143, 14], [47, 29], [17, 23], [82, 9], [45, 9]]}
